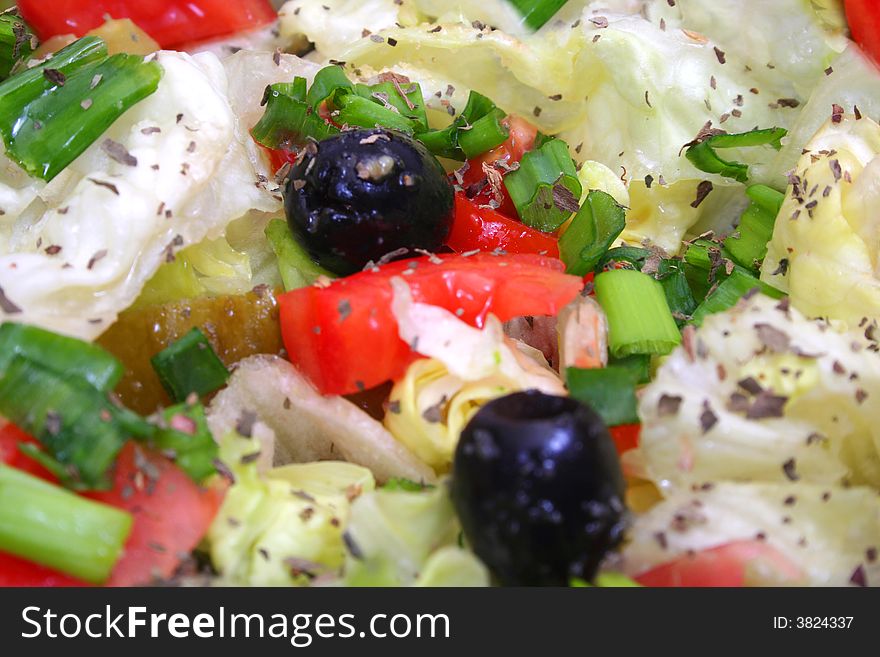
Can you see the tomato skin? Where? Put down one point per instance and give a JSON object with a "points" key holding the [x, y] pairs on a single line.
{"points": [[344, 337], [625, 436], [722, 566], [279, 157], [18, 572], [521, 140], [170, 22], [171, 515], [10, 437], [485, 229], [863, 17]]}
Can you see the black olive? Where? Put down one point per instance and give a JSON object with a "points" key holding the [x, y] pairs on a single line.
{"points": [[538, 488], [362, 194]]}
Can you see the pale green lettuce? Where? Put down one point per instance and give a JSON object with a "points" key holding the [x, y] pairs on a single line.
{"points": [[852, 81], [334, 24], [233, 264], [825, 245], [400, 538], [797, 38], [283, 527]]}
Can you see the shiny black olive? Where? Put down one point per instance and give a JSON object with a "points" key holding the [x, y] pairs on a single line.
{"points": [[538, 488], [361, 194]]}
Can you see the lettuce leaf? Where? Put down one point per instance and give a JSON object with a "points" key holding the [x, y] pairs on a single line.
{"points": [[764, 394], [283, 527], [81, 251], [796, 37], [852, 81], [825, 245], [400, 538]]}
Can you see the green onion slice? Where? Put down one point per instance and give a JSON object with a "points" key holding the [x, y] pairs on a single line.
{"points": [[406, 97], [446, 142], [710, 268], [354, 110], [30, 84], [593, 230], [326, 83], [727, 293], [748, 244], [706, 264], [536, 13], [443, 143], [289, 121], [679, 296], [610, 391], [477, 107], [484, 134], [704, 157], [66, 356], [17, 42], [189, 366], [74, 421], [48, 525], [545, 189], [639, 319]]}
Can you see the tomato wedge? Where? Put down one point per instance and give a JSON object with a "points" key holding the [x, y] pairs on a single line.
{"points": [[344, 336], [723, 566], [521, 139], [485, 229], [170, 22], [863, 17], [171, 515]]}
